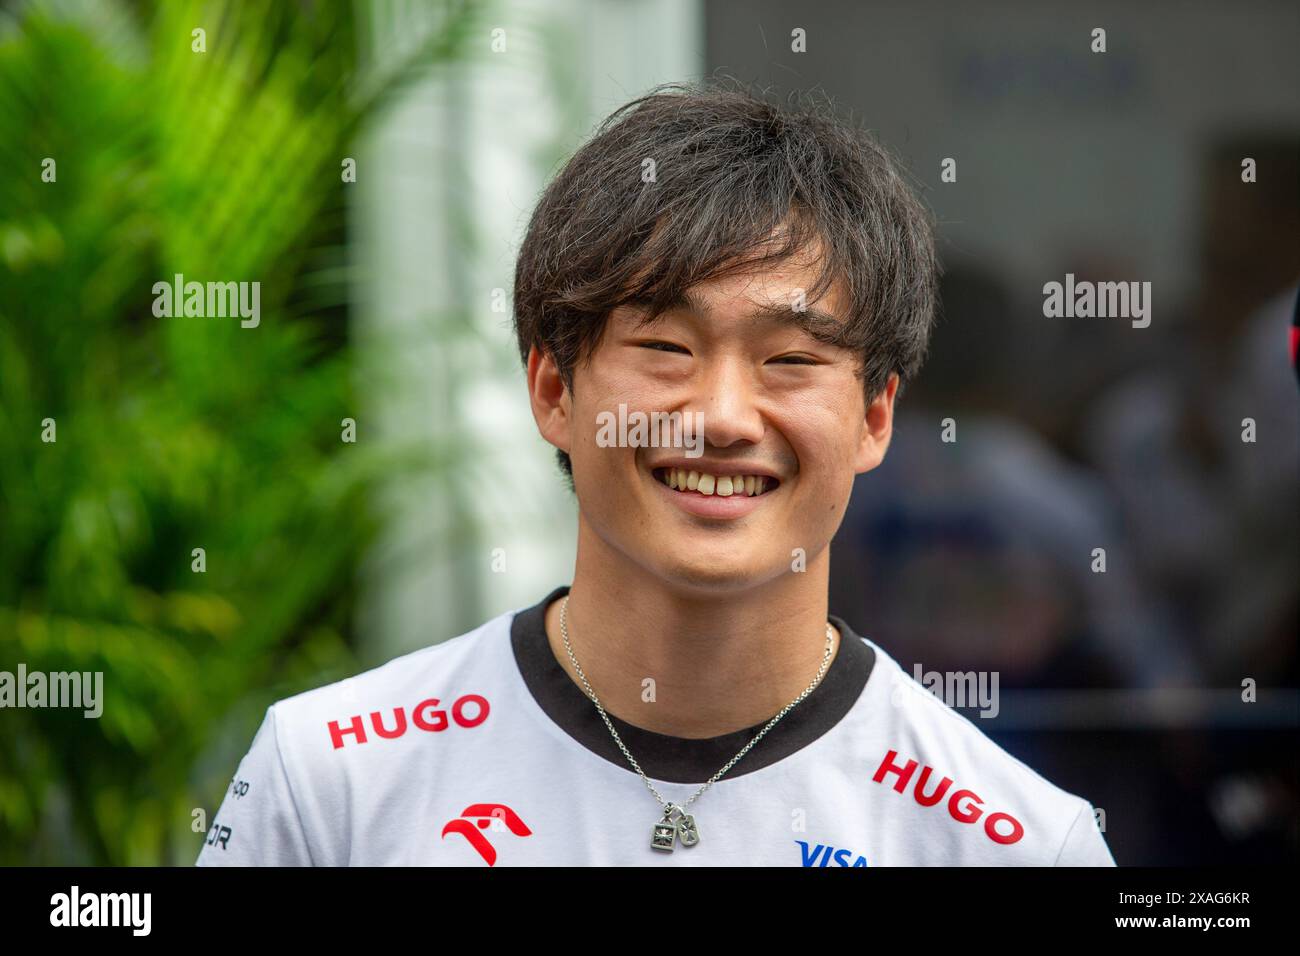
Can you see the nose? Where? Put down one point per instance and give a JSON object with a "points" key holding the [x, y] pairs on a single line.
{"points": [[725, 393]]}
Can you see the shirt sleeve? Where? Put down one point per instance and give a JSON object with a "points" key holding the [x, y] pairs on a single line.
{"points": [[258, 823], [1084, 845]]}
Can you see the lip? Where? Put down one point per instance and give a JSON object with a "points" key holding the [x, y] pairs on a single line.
{"points": [[711, 506]]}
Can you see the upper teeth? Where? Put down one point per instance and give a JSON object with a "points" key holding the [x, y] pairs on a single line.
{"points": [[721, 485]]}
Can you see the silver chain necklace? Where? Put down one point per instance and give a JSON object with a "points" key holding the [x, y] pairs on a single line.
{"points": [[667, 830]]}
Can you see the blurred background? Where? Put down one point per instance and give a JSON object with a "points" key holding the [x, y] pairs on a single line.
{"points": [[385, 301]]}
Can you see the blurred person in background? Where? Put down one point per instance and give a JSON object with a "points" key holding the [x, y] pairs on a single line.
{"points": [[1213, 516], [976, 552]]}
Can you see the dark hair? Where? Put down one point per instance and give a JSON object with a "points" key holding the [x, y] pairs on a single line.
{"points": [[731, 171]]}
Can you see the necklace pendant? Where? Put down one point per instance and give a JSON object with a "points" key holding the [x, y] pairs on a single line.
{"points": [[664, 833], [687, 831], [667, 829]]}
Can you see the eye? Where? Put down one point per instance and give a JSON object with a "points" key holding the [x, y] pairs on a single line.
{"points": [[796, 359], [663, 347]]}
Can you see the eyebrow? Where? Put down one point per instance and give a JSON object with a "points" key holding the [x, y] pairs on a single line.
{"points": [[819, 324]]}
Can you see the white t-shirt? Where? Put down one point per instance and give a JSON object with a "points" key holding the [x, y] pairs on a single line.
{"points": [[482, 751]]}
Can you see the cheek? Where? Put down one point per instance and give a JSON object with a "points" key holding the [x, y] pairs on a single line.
{"points": [[825, 436], [630, 384], [596, 400], [608, 386], [590, 460]]}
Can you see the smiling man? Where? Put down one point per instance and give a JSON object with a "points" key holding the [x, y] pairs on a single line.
{"points": [[688, 700]]}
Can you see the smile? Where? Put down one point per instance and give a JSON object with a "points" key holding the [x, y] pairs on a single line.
{"points": [[722, 486]]}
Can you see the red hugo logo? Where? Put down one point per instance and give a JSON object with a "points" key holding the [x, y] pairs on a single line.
{"points": [[483, 814], [426, 716], [968, 814]]}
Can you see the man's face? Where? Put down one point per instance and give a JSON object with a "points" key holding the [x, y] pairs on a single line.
{"points": [[778, 404]]}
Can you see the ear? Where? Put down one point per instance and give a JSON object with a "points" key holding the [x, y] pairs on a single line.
{"points": [[878, 426], [549, 396]]}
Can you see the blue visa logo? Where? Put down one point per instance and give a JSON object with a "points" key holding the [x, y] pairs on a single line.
{"points": [[821, 854]]}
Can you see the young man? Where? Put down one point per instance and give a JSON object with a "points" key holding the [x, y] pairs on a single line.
{"points": [[688, 701]]}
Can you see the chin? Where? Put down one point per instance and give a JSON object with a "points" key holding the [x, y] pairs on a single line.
{"points": [[701, 578]]}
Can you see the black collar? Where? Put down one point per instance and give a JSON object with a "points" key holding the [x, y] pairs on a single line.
{"points": [[681, 759]]}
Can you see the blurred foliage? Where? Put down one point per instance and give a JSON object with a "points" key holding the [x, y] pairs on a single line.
{"points": [[174, 433]]}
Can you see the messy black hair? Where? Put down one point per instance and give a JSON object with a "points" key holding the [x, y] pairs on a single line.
{"points": [[738, 182]]}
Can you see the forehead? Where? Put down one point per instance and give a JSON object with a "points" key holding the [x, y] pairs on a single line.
{"points": [[772, 294], [744, 276], [771, 287]]}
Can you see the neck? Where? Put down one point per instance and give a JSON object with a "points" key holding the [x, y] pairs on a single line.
{"points": [[720, 662]]}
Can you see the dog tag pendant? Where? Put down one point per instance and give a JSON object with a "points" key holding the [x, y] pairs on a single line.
{"points": [[687, 831]]}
